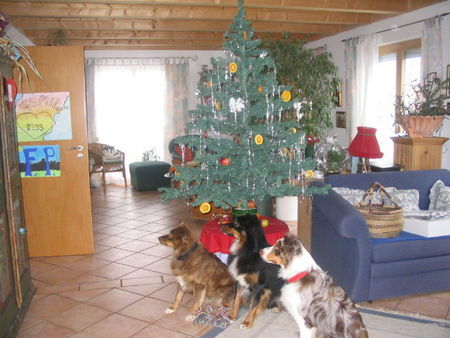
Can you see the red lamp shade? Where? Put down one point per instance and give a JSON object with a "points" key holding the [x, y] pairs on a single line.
{"points": [[365, 144]]}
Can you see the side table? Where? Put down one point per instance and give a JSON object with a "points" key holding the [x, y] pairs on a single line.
{"points": [[217, 242], [418, 153]]}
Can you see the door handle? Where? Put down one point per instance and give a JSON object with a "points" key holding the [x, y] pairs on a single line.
{"points": [[78, 147]]}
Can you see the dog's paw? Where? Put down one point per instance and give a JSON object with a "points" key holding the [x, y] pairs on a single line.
{"points": [[169, 310], [245, 325], [189, 318], [275, 309]]}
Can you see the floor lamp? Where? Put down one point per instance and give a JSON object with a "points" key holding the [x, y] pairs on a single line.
{"points": [[365, 146]]}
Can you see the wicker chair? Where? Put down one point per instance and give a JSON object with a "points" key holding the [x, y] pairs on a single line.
{"points": [[106, 159]]}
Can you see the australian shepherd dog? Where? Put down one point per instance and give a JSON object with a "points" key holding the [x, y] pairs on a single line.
{"points": [[196, 270], [258, 281], [309, 295]]}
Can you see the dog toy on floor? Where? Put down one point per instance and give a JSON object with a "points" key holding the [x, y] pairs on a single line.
{"points": [[213, 315]]}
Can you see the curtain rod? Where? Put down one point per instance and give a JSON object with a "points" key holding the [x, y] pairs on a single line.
{"points": [[401, 26], [193, 58]]}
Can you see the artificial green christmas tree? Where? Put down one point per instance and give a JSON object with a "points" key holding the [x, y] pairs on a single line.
{"points": [[244, 149]]}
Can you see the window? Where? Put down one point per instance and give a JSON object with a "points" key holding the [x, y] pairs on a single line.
{"points": [[398, 66]]}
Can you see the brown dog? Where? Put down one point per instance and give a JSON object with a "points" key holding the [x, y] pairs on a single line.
{"points": [[196, 270]]}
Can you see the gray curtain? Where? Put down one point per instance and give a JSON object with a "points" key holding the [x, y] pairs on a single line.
{"points": [[176, 100]]}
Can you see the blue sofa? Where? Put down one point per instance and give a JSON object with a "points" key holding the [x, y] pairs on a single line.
{"points": [[369, 268]]}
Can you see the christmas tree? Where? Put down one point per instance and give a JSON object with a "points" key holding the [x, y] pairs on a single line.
{"points": [[245, 150]]}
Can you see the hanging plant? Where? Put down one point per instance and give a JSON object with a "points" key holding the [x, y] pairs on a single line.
{"points": [[15, 51]]}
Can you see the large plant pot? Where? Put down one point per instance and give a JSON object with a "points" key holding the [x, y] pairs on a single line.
{"points": [[286, 208], [421, 126]]}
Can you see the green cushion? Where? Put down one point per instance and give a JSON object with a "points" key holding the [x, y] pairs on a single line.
{"points": [[149, 175]]}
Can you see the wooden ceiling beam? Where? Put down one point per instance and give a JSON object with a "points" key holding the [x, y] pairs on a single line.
{"points": [[390, 7], [150, 35], [144, 42], [172, 25], [136, 12], [154, 47]]}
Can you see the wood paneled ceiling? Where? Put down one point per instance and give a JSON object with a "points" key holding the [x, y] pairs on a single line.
{"points": [[189, 24]]}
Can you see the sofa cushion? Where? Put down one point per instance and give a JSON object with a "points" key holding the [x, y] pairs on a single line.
{"points": [[352, 196], [439, 197], [411, 267], [408, 199], [421, 180], [408, 246]]}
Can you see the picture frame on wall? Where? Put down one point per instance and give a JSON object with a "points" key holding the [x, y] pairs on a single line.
{"points": [[448, 77], [338, 95], [341, 119]]}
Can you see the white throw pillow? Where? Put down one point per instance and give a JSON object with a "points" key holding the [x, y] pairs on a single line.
{"points": [[408, 199], [439, 197], [352, 196]]}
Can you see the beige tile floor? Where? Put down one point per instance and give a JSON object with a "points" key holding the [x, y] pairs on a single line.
{"points": [[123, 289]]}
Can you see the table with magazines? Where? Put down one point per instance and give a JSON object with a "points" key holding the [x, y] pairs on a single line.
{"points": [[217, 242]]}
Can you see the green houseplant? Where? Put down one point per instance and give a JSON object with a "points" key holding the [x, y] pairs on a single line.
{"points": [[421, 113], [314, 81]]}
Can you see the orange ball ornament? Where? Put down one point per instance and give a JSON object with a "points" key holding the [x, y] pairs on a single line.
{"points": [[225, 161], [260, 89], [251, 204]]}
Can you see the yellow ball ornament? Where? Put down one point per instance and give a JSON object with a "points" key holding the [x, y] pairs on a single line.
{"points": [[264, 222], [286, 96], [218, 105], [205, 208], [309, 174], [259, 139], [294, 130], [233, 67]]}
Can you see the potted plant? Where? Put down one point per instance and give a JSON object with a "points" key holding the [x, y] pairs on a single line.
{"points": [[421, 113], [314, 82]]}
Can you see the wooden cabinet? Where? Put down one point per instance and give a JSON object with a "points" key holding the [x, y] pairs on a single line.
{"points": [[15, 280], [418, 153]]}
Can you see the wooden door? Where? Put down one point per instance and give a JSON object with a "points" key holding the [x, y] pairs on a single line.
{"points": [[58, 208]]}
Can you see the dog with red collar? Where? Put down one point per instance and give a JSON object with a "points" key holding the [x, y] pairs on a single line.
{"points": [[317, 305]]}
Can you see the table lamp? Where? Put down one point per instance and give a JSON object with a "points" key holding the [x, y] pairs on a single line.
{"points": [[364, 145]]}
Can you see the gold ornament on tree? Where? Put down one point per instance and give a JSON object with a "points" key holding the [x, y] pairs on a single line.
{"points": [[233, 67], [286, 96], [205, 207], [259, 139]]}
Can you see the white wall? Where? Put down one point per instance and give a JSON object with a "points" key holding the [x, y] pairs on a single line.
{"points": [[336, 47], [203, 58]]}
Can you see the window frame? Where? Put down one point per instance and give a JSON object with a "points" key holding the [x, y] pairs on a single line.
{"points": [[399, 49]]}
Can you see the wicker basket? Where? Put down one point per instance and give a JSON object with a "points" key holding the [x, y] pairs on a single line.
{"points": [[382, 220]]}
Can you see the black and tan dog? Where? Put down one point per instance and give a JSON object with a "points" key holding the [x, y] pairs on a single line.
{"points": [[196, 270], [258, 281]]}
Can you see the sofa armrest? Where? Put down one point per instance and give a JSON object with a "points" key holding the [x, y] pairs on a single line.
{"points": [[341, 243]]}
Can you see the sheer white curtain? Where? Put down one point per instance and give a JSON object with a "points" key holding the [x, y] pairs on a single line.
{"points": [[364, 108], [431, 47], [129, 106]]}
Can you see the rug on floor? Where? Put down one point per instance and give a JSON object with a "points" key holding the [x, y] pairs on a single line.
{"points": [[380, 324]]}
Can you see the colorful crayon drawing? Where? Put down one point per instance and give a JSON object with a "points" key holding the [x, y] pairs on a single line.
{"points": [[43, 117], [39, 161]]}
